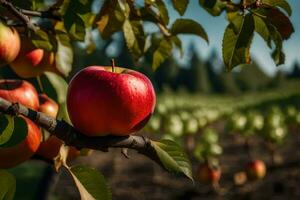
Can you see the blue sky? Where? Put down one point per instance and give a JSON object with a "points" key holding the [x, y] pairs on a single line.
{"points": [[215, 27]]}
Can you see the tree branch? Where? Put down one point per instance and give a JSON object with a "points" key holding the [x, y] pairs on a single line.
{"points": [[43, 14], [22, 14], [16, 12], [72, 137]]}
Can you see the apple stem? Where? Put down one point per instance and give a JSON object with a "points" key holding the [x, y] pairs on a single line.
{"points": [[112, 65]]}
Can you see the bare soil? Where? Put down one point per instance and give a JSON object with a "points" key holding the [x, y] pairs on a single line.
{"points": [[138, 178]]}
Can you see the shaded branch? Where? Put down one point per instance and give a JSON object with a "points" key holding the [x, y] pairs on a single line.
{"points": [[43, 14], [23, 14], [16, 12], [72, 137]]}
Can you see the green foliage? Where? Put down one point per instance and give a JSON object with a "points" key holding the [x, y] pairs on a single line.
{"points": [[6, 129], [90, 183], [56, 88], [188, 26], [236, 41], [7, 185], [163, 51], [173, 158], [180, 6], [213, 7], [13, 131]]}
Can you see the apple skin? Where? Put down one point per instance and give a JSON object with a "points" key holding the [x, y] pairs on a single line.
{"points": [[13, 156], [102, 102], [32, 62], [19, 91], [256, 170], [22, 92], [48, 106], [207, 174], [49, 149], [9, 44]]}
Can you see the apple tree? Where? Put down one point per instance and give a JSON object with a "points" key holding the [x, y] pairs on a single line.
{"points": [[36, 42]]}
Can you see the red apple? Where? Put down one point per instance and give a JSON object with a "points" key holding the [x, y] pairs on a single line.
{"points": [[24, 93], [9, 44], [256, 170], [50, 148], [31, 61], [208, 174], [19, 91], [103, 101]]}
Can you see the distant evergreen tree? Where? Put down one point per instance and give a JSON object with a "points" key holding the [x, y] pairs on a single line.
{"points": [[278, 79], [198, 75], [252, 78], [295, 72], [166, 75], [213, 76], [228, 83]]}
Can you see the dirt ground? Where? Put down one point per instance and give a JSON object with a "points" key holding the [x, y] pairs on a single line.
{"points": [[138, 178]]}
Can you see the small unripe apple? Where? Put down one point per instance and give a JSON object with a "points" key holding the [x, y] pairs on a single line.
{"points": [[50, 148], [9, 44], [22, 92], [208, 174], [32, 62], [256, 170], [110, 100]]}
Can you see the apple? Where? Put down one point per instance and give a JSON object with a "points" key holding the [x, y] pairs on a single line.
{"points": [[208, 174], [15, 155], [49, 148], [110, 100], [32, 62], [48, 106], [255, 170], [22, 92], [19, 91], [9, 44]]}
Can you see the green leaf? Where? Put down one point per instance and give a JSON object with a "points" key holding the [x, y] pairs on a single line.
{"points": [[237, 40], [262, 29], [277, 55], [162, 52], [77, 18], [110, 18], [188, 26], [90, 183], [40, 39], [173, 157], [180, 5], [7, 185], [213, 7], [134, 37], [19, 133], [6, 128], [64, 54], [279, 3], [177, 42], [61, 87], [163, 12]]}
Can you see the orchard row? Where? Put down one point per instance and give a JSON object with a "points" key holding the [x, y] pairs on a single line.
{"points": [[197, 122]]}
